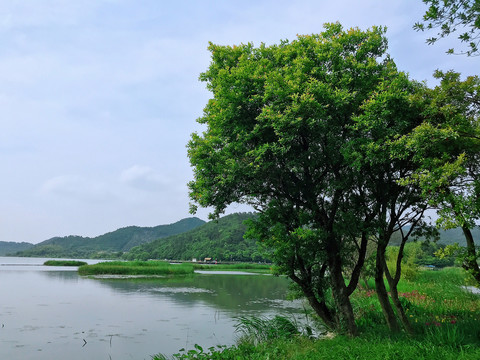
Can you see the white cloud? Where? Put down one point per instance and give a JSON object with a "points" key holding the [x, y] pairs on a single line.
{"points": [[144, 178], [76, 187]]}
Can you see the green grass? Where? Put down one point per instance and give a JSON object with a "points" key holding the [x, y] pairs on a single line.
{"points": [[64, 263], [248, 267], [446, 320], [147, 268]]}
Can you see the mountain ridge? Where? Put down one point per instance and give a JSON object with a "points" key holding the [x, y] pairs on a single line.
{"points": [[110, 244]]}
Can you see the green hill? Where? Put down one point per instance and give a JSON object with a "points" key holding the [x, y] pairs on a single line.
{"points": [[456, 236], [109, 245], [446, 237], [220, 240], [8, 247]]}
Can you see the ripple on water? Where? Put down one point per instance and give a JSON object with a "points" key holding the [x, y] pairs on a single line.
{"points": [[181, 290]]}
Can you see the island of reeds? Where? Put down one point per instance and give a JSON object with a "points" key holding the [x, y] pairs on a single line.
{"points": [[64, 263], [144, 268]]}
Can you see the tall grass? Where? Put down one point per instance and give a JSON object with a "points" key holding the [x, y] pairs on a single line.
{"points": [[264, 268], [136, 268], [256, 330], [64, 263]]}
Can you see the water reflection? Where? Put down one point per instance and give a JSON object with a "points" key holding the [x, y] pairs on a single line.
{"points": [[48, 312], [227, 292]]}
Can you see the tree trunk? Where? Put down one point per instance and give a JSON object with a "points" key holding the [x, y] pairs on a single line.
{"points": [[393, 283], [470, 263], [400, 311], [382, 293], [320, 307], [345, 316], [322, 311]]}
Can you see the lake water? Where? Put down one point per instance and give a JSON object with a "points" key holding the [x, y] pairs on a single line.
{"points": [[52, 313]]}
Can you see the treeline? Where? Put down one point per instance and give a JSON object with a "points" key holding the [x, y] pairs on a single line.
{"points": [[221, 240], [9, 247]]}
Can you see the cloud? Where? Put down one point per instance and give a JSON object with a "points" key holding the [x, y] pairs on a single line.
{"points": [[76, 187], [144, 178]]}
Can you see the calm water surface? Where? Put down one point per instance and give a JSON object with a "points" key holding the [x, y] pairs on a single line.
{"points": [[52, 313]]}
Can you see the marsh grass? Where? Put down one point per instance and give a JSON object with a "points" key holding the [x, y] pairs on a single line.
{"points": [[258, 268], [64, 263], [145, 268]]}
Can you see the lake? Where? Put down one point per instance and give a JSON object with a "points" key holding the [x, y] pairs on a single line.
{"points": [[53, 313]]}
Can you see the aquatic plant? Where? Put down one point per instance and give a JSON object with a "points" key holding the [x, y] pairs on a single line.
{"points": [[136, 268]]}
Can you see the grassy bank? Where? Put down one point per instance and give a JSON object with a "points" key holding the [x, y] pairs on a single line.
{"points": [[146, 268], [445, 317], [64, 263], [257, 268]]}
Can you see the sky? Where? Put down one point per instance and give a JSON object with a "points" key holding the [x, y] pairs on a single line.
{"points": [[98, 99]]}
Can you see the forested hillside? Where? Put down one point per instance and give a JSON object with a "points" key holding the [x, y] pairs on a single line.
{"points": [[220, 240], [456, 236], [112, 244], [8, 247]]}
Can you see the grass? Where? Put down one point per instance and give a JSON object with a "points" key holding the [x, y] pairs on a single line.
{"points": [[144, 268], [248, 267], [446, 320], [64, 263]]}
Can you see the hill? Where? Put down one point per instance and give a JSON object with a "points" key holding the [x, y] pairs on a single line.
{"points": [[8, 247], [456, 236], [109, 245], [220, 240], [446, 237]]}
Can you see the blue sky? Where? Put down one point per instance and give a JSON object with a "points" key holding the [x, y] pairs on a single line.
{"points": [[98, 98]]}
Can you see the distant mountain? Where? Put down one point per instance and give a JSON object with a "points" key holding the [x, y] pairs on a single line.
{"points": [[7, 247], [111, 244], [456, 236], [446, 237], [220, 240]]}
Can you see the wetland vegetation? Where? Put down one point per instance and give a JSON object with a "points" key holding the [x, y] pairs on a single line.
{"points": [[64, 263], [149, 268]]}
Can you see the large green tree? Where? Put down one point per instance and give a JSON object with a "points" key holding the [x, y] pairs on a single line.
{"points": [[450, 16], [278, 131]]}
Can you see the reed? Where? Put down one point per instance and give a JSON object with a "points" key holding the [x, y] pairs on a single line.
{"points": [[147, 268], [64, 263]]}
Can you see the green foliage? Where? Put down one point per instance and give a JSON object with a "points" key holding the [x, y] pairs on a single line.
{"points": [[279, 127], [447, 320], [260, 268], [64, 263], [256, 330], [449, 16], [221, 240], [447, 149], [8, 248], [107, 246], [147, 268]]}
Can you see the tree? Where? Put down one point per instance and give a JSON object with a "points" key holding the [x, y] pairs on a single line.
{"points": [[447, 148], [392, 111], [278, 132], [448, 16]]}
